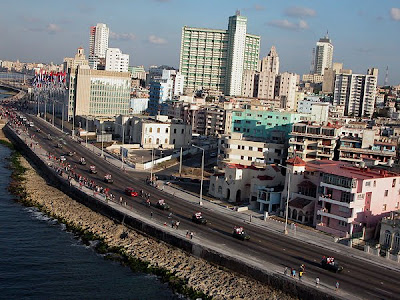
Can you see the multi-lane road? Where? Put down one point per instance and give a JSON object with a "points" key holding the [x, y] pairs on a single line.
{"points": [[359, 278]]}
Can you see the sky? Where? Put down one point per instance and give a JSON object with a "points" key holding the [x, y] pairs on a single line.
{"points": [[365, 33]]}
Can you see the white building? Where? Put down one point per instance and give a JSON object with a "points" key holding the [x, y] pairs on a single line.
{"points": [[285, 89], [98, 44], [356, 93], [116, 61], [158, 132], [323, 55], [139, 105]]}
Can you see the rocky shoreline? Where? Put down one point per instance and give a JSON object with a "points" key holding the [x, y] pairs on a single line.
{"points": [[187, 275]]}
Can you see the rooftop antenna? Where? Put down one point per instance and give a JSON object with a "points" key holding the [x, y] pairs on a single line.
{"points": [[386, 76], [238, 12]]}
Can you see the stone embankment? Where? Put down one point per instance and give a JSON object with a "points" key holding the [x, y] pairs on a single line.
{"points": [[196, 273]]}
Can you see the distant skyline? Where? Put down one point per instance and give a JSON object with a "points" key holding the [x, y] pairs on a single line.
{"points": [[364, 32]]}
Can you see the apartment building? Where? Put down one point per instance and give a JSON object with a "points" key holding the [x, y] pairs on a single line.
{"points": [[116, 61], [98, 44], [343, 200], [213, 59], [78, 60], [313, 141]]}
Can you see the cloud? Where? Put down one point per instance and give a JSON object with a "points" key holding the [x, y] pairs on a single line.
{"points": [[302, 12], [285, 24], [122, 36], [156, 40], [395, 13], [52, 28]]}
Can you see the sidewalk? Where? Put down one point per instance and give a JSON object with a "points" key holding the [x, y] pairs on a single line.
{"points": [[311, 237]]}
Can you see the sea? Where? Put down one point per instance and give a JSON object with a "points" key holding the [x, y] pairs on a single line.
{"points": [[39, 259]]}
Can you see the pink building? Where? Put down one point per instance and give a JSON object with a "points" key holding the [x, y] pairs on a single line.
{"points": [[348, 199]]}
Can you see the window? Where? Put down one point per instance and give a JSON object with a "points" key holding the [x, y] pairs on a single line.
{"points": [[388, 238], [151, 129], [173, 141], [166, 130], [242, 157], [396, 241], [394, 183], [345, 197], [157, 141], [183, 130], [213, 187], [174, 130], [149, 140], [251, 148], [374, 183], [219, 189], [368, 183], [166, 141], [384, 206], [386, 193], [260, 149], [343, 223]]}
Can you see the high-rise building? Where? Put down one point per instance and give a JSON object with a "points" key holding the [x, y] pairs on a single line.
{"points": [[356, 92], [213, 59], [97, 93], [98, 44], [285, 89], [323, 55], [270, 63], [116, 61]]}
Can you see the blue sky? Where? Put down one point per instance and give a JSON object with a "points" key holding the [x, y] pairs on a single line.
{"points": [[365, 33]]}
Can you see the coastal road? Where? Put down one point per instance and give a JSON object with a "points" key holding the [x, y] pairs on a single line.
{"points": [[359, 278]]}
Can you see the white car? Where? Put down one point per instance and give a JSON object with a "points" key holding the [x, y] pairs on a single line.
{"points": [[62, 158]]}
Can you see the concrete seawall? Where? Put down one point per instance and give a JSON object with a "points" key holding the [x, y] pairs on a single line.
{"points": [[275, 280]]}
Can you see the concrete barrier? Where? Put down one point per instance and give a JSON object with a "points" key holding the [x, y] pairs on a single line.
{"points": [[279, 281]]}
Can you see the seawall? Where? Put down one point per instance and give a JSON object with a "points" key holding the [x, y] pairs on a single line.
{"points": [[276, 281]]}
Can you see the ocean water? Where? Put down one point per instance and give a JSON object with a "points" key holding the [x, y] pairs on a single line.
{"points": [[40, 260]]}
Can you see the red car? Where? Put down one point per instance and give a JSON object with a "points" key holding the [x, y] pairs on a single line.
{"points": [[130, 192]]}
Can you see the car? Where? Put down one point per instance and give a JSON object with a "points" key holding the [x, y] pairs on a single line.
{"points": [[59, 145], [130, 192], [93, 169], [213, 154], [82, 161], [37, 129], [240, 234], [62, 158], [70, 153], [329, 263], [198, 218], [108, 178], [160, 204], [49, 137]]}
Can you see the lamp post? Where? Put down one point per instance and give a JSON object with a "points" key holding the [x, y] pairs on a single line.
{"points": [[287, 199], [202, 172]]}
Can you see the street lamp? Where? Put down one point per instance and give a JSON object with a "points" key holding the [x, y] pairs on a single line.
{"points": [[202, 172], [287, 198]]}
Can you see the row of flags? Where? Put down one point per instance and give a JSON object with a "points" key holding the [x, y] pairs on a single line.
{"points": [[45, 79]]}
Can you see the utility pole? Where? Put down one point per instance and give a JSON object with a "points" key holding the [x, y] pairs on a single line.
{"points": [[180, 164]]}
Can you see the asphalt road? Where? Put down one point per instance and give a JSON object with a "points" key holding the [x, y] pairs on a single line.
{"points": [[359, 278]]}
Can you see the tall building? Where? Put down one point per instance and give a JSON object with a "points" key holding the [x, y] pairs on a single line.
{"points": [[116, 61], [213, 59], [323, 55], [98, 93], [270, 63], [98, 44], [78, 60], [356, 93], [285, 89]]}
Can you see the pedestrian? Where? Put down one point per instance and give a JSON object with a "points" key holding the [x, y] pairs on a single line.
{"points": [[187, 233], [177, 224], [191, 235], [251, 217], [337, 285], [285, 271], [317, 281], [300, 275], [294, 273], [291, 272], [151, 214]]}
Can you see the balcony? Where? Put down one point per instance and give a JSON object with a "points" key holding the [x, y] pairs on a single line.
{"points": [[324, 154], [337, 202], [298, 195], [324, 213], [367, 151], [337, 187]]}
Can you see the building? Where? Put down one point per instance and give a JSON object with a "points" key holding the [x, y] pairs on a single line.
{"points": [[313, 141], [323, 55], [248, 151], [78, 60], [328, 84], [313, 78], [285, 89], [343, 200], [214, 60], [97, 93], [356, 93], [139, 105], [158, 132], [389, 238], [273, 126], [137, 72], [116, 61], [98, 44], [170, 84]]}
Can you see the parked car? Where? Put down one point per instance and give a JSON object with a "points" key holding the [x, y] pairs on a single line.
{"points": [[160, 204], [59, 145], [198, 218], [62, 158], [108, 178], [240, 234], [82, 161], [329, 263], [130, 192], [70, 153]]}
